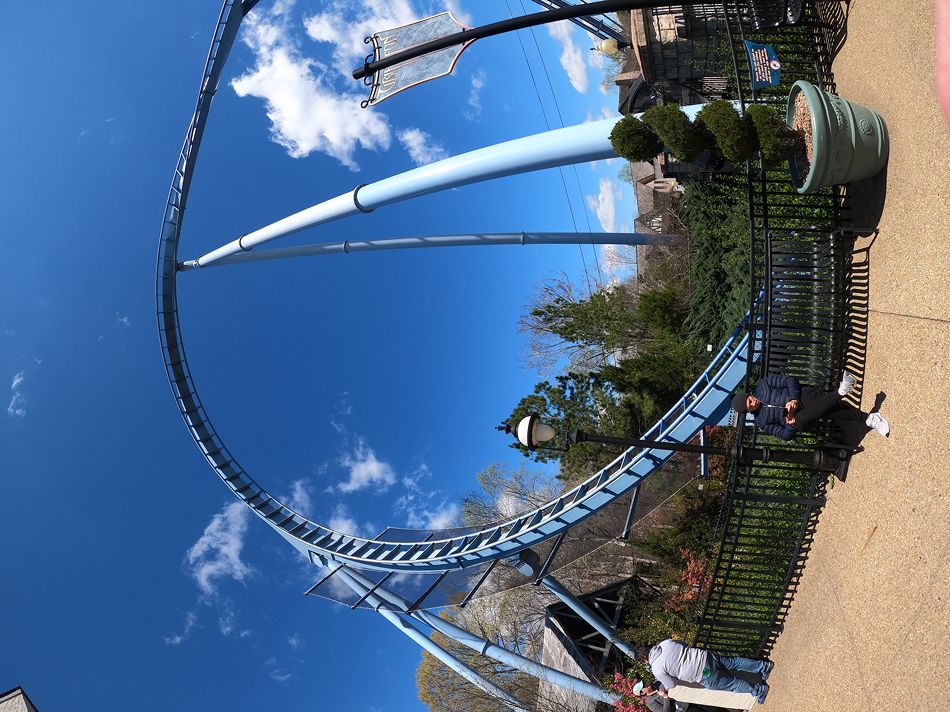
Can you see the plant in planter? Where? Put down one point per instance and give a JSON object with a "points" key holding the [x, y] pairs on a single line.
{"points": [[684, 138], [827, 139], [843, 141], [776, 139], [635, 140], [735, 134]]}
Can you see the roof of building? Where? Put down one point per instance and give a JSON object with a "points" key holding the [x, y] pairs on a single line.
{"points": [[14, 693]]}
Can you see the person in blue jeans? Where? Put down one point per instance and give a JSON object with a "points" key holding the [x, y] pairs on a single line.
{"points": [[672, 662], [783, 407]]}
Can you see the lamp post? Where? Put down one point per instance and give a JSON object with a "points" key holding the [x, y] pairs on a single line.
{"points": [[532, 432], [611, 47]]}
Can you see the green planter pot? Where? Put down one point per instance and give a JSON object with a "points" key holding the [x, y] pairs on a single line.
{"points": [[850, 141]]}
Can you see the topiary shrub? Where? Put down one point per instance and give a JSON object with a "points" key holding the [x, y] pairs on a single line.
{"points": [[634, 140], [735, 135], [775, 138], [685, 139]]}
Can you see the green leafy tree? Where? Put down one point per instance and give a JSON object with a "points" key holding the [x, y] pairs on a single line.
{"points": [[658, 375], [664, 309], [574, 401], [716, 214]]}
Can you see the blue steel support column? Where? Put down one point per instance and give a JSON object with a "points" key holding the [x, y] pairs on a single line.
{"points": [[574, 144], [407, 243], [385, 609], [596, 622], [529, 563], [361, 584], [445, 656]]}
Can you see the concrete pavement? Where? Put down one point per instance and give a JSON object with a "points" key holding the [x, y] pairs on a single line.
{"points": [[870, 625]]}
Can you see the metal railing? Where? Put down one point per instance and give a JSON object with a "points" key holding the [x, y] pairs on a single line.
{"points": [[808, 325]]}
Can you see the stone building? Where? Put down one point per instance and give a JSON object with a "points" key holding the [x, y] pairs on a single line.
{"points": [[16, 700], [677, 56]]}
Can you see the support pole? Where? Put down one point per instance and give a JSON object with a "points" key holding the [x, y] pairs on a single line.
{"points": [[447, 658], [407, 243], [595, 621], [359, 583], [516, 23], [529, 563], [387, 611], [574, 144]]}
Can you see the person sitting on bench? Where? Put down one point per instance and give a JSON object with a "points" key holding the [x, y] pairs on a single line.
{"points": [[784, 408]]}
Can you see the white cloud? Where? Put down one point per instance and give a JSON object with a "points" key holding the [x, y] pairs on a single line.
{"points": [[443, 517], [604, 204], [122, 319], [343, 409], [411, 482], [344, 24], [217, 553], [295, 641], [475, 96], [280, 675], [190, 620], [457, 11], [17, 399], [227, 621], [422, 515], [365, 470], [300, 500], [572, 59], [420, 146], [342, 521], [307, 111]]}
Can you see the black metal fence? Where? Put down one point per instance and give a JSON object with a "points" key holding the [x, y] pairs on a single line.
{"points": [[809, 295]]}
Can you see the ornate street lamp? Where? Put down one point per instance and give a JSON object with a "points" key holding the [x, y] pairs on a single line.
{"points": [[532, 432]]}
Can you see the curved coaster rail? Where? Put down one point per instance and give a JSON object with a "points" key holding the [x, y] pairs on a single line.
{"points": [[707, 400]]}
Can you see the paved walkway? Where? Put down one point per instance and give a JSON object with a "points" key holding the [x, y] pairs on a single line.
{"points": [[870, 625]]}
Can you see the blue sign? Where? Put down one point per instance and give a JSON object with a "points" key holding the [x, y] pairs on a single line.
{"points": [[764, 66]]}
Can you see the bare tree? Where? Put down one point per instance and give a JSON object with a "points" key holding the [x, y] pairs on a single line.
{"points": [[564, 325]]}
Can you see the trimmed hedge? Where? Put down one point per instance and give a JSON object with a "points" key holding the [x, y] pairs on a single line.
{"points": [[735, 134], [685, 139], [634, 140]]}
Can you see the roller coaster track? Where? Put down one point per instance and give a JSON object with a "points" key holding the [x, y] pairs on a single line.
{"points": [[707, 400]]}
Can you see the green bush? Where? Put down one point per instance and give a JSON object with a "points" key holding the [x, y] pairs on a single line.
{"points": [[774, 136], [634, 140], [685, 139], [735, 134]]}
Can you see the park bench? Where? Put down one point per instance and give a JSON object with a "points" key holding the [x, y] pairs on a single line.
{"points": [[766, 14]]}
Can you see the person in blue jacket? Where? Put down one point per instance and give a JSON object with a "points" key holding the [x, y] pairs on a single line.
{"points": [[783, 407]]}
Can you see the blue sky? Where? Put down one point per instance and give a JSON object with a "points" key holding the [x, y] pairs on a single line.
{"points": [[362, 388]]}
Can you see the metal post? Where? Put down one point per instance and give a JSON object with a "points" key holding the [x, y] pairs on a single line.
{"points": [[529, 563], [510, 25], [412, 631], [595, 621], [447, 658], [360, 583], [574, 144], [407, 243]]}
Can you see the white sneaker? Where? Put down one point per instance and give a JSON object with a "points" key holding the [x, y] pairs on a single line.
{"points": [[877, 421], [847, 384]]}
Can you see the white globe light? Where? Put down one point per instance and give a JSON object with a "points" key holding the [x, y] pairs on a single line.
{"points": [[531, 432]]}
